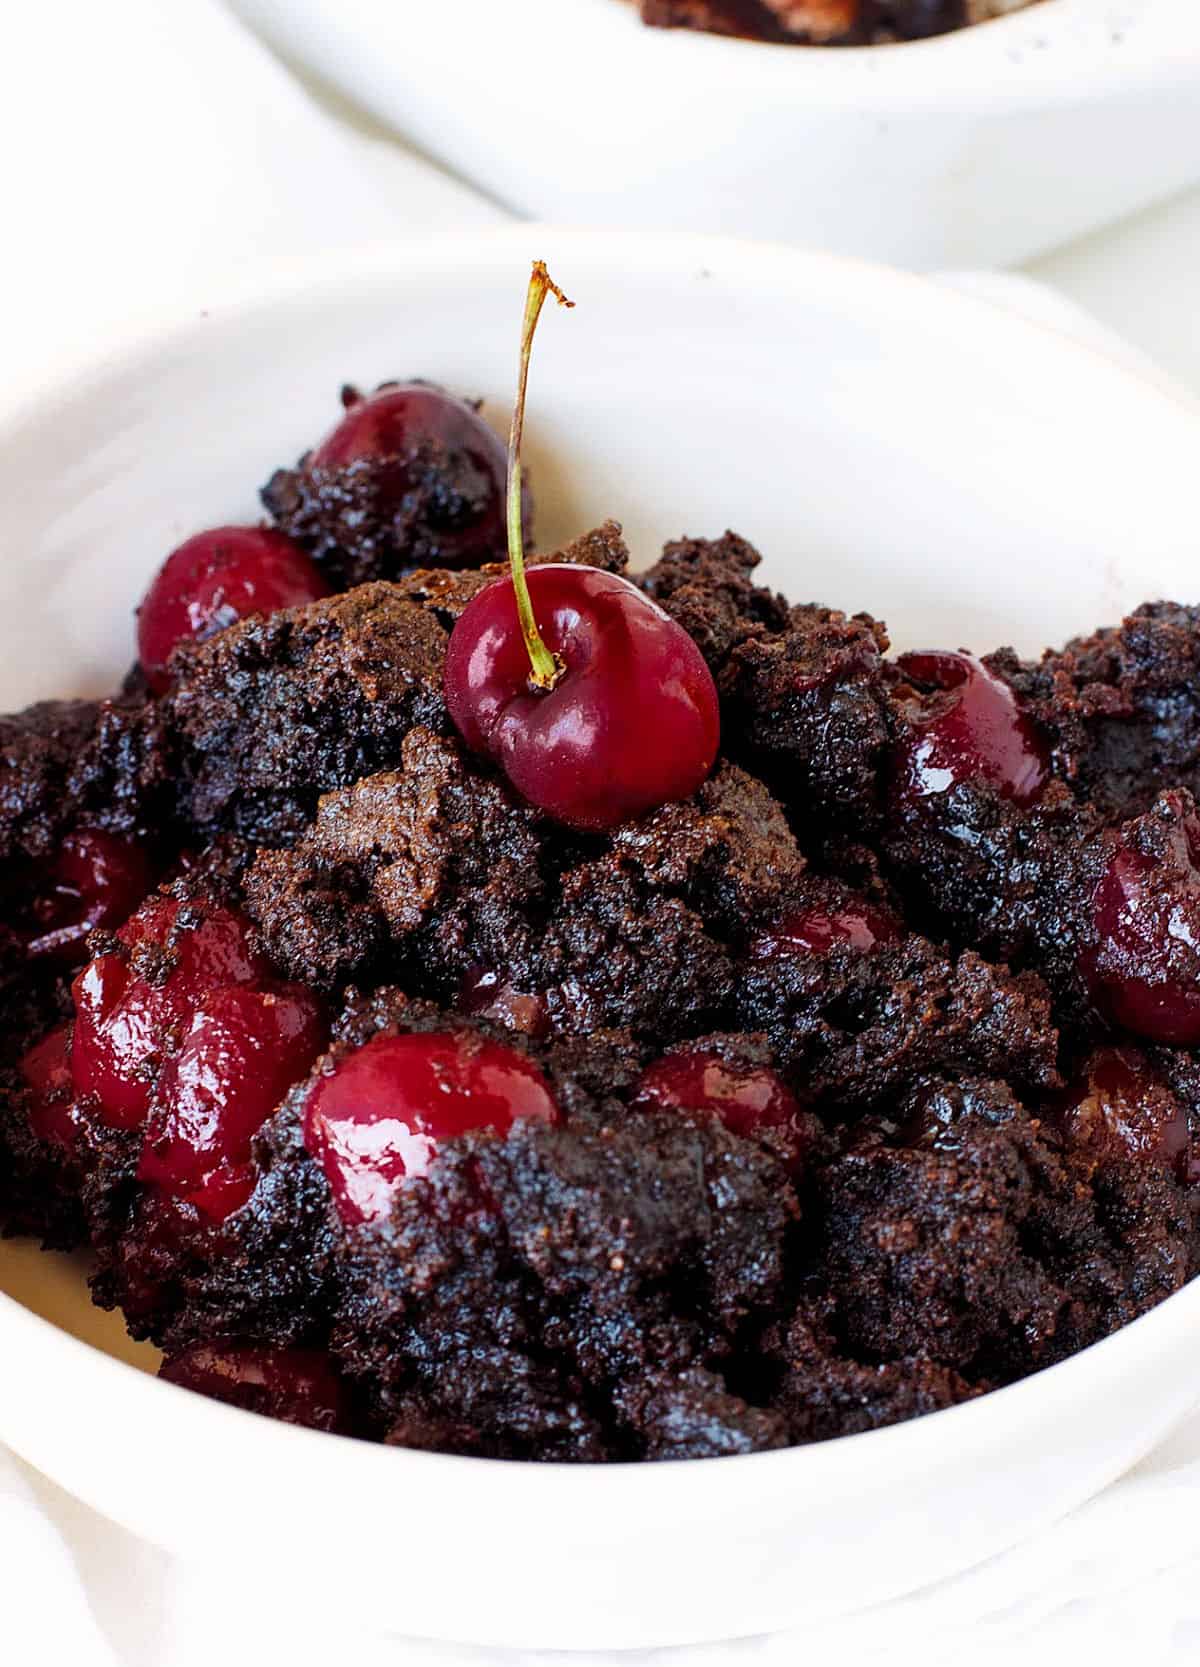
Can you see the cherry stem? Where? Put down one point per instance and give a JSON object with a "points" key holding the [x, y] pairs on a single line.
{"points": [[544, 668]]}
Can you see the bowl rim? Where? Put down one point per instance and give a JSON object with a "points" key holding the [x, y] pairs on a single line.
{"points": [[926, 1443], [188, 311]]}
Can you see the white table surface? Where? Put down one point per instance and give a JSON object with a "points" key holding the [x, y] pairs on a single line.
{"points": [[151, 148]]}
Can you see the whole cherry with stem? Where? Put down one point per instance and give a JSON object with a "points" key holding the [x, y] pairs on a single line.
{"points": [[596, 704]]}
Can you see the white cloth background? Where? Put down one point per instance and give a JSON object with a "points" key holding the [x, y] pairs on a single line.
{"points": [[151, 148]]}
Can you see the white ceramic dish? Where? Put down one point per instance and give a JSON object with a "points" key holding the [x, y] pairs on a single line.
{"points": [[982, 147], [890, 445]]}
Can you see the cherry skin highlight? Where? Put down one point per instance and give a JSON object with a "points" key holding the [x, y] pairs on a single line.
{"points": [[131, 1010], [632, 721], [1145, 970], [243, 1050], [95, 879], [747, 1098], [815, 931], [409, 427], [964, 722], [297, 1385], [213, 579], [379, 1117]]}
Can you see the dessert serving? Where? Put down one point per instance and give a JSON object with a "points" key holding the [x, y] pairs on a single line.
{"points": [[560, 1014], [826, 22]]}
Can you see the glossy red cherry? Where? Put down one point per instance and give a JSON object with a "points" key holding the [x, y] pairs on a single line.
{"points": [[815, 931], [298, 1386], [243, 1050], [95, 879], [747, 1098], [632, 721], [380, 1115], [215, 578], [132, 1009], [404, 427], [964, 722], [594, 702], [46, 1069], [1118, 1107], [1145, 969]]}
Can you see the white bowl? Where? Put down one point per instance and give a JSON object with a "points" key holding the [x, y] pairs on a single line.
{"points": [[890, 445], [981, 147]]}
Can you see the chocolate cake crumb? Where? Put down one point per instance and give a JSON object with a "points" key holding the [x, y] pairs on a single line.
{"points": [[949, 1164], [273, 711], [66, 763]]}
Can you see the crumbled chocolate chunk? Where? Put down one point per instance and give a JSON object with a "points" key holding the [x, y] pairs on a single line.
{"points": [[272, 712], [64, 763], [405, 864], [1123, 706]]}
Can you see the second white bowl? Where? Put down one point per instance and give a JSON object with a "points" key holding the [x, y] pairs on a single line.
{"points": [[981, 147]]}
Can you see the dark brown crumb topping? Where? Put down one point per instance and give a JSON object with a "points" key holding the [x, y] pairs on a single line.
{"points": [[634, 1281]]}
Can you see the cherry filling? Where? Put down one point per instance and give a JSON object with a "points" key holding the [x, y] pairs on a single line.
{"points": [[243, 1049], [380, 1116], [963, 722], [1118, 1106], [133, 1005], [748, 1099], [213, 579], [46, 1070], [297, 1385], [95, 879], [416, 436], [1145, 969], [815, 931]]}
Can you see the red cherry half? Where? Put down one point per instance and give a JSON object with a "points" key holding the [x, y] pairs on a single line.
{"points": [[46, 1069], [816, 931], [964, 722], [94, 880], [1118, 1105], [131, 1012], [1145, 969], [243, 1050], [747, 1098], [381, 1114], [298, 1386], [215, 578], [632, 721]]}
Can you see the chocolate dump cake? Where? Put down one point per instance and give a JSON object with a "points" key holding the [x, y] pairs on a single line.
{"points": [[550, 1013], [826, 22]]}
